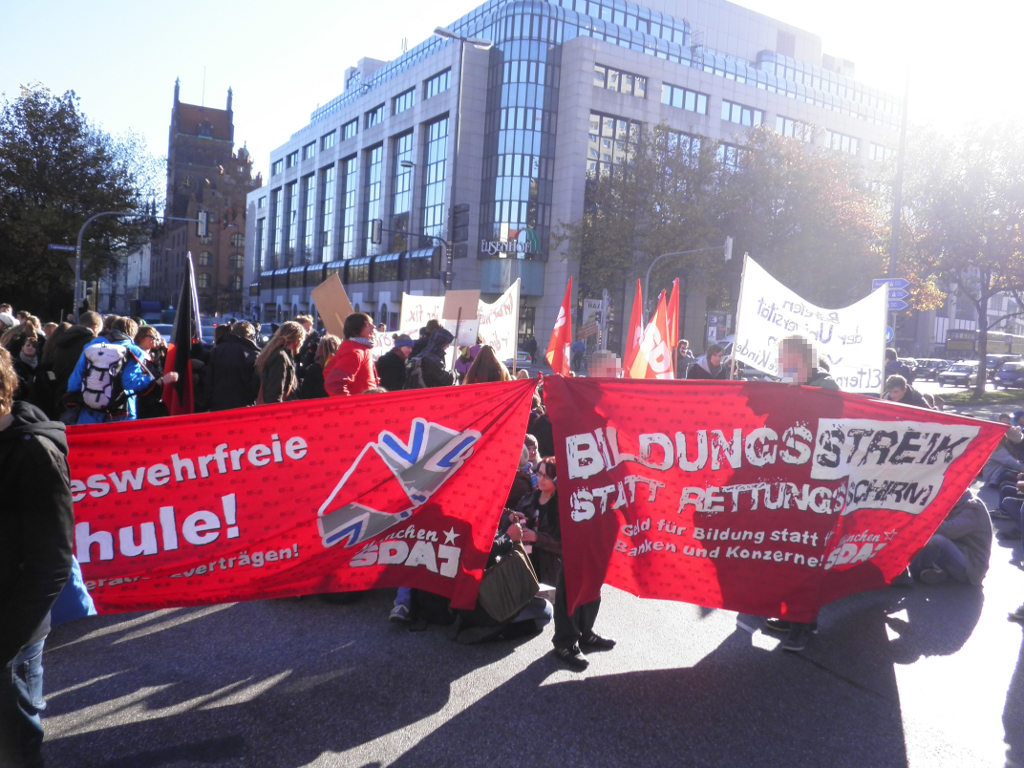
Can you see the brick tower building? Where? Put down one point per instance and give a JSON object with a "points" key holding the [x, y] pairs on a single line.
{"points": [[204, 173]]}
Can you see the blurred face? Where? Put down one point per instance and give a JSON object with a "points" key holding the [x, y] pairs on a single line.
{"points": [[29, 348], [715, 359], [897, 393], [793, 367], [368, 330], [403, 352], [545, 483], [605, 367], [306, 325], [533, 452]]}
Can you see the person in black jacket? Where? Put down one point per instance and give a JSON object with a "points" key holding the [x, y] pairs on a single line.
{"points": [[709, 365], [36, 522], [69, 349], [312, 386], [391, 365], [231, 378], [899, 391]]}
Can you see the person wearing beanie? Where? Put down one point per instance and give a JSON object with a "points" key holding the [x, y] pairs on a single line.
{"points": [[391, 365]]}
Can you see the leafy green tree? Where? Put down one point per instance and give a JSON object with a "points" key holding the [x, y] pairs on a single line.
{"points": [[57, 170], [963, 217]]}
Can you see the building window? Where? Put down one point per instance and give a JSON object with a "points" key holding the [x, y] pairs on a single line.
{"points": [[277, 167], [401, 196], [794, 129], [349, 129], [880, 153], [291, 159], [327, 180], [262, 202], [740, 114], [261, 238], [374, 170], [439, 83], [238, 240], [309, 150], [208, 238], [843, 143], [684, 143], [403, 101], [619, 81], [291, 222], [609, 142], [308, 224], [684, 98], [277, 233], [236, 282], [350, 177], [375, 115], [433, 188], [202, 280], [236, 261], [731, 156], [327, 140], [204, 259]]}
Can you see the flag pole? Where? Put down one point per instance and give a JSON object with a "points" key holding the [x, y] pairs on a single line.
{"points": [[736, 326]]}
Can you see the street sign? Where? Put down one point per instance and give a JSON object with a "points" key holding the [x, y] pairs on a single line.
{"points": [[85, 264], [54, 247], [588, 330], [895, 282], [896, 305], [888, 334], [898, 293]]}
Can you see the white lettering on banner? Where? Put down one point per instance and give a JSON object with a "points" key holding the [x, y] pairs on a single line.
{"points": [[890, 464], [223, 460], [850, 339]]}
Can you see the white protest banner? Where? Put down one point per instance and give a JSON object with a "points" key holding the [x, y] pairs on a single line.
{"points": [[850, 340], [499, 323], [416, 310]]}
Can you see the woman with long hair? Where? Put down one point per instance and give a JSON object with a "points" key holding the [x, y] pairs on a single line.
{"points": [[276, 363], [486, 368], [312, 385], [351, 370]]}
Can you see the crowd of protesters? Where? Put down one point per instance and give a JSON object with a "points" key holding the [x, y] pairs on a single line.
{"points": [[52, 373]]}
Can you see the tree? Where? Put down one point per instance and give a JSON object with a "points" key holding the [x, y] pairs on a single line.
{"points": [[57, 170], [806, 214], [963, 216]]}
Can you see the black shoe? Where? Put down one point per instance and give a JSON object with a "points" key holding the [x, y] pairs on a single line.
{"points": [[782, 626], [1017, 615], [903, 580], [572, 657], [1010, 534], [594, 640], [798, 638]]}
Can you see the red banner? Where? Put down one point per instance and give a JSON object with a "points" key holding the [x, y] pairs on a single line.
{"points": [[399, 489], [761, 498]]}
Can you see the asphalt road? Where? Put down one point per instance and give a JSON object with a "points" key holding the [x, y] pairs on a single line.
{"points": [[926, 676]]}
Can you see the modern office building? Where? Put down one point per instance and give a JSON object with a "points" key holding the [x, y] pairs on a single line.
{"points": [[513, 131]]}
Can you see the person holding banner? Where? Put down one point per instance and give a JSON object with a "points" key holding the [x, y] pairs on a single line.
{"points": [[351, 371], [276, 364], [709, 365], [391, 365]]}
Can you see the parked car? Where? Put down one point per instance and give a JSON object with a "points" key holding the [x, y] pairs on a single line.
{"points": [[992, 362], [929, 368], [962, 374], [1009, 375]]}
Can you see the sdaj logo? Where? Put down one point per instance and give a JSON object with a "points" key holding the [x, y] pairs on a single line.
{"points": [[391, 479]]}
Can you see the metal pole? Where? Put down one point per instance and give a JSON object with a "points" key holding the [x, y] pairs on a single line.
{"points": [[450, 252], [897, 203], [647, 279]]}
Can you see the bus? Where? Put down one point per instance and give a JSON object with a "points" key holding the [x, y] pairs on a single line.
{"points": [[962, 343]]}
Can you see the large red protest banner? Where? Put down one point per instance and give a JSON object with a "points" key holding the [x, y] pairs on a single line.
{"points": [[400, 489], [762, 498]]}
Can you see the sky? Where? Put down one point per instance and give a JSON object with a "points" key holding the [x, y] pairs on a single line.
{"points": [[282, 60]]}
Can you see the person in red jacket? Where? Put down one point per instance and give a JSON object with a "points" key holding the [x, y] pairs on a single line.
{"points": [[351, 370]]}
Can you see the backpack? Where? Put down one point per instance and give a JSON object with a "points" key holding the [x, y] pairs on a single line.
{"points": [[414, 374], [102, 389]]}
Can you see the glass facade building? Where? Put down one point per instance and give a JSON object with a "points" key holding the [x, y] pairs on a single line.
{"points": [[513, 132]]}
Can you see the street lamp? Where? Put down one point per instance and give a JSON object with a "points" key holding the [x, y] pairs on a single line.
{"points": [[726, 249], [480, 45]]}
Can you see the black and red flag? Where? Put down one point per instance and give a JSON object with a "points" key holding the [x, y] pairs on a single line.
{"points": [[179, 397]]}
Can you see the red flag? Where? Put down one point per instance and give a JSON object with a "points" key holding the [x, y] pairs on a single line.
{"points": [[179, 396], [636, 331], [673, 316], [654, 357], [557, 354]]}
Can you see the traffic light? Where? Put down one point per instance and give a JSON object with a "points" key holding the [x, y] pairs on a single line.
{"points": [[203, 227], [376, 231], [459, 228]]}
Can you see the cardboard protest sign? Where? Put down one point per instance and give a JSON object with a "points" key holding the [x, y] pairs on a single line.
{"points": [[762, 498], [332, 305]]}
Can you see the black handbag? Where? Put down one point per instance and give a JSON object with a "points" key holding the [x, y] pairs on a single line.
{"points": [[508, 585]]}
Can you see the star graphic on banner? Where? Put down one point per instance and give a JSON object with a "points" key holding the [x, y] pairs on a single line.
{"points": [[450, 536], [889, 534]]}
